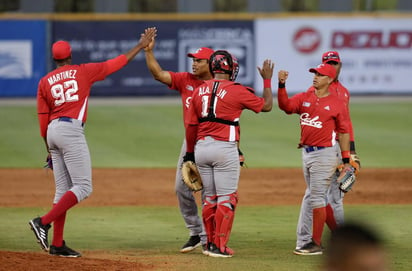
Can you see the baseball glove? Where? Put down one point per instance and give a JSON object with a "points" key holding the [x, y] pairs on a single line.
{"points": [[48, 163], [354, 164], [191, 176], [346, 179]]}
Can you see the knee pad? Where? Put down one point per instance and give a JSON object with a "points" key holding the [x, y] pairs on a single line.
{"points": [[229, 201]]}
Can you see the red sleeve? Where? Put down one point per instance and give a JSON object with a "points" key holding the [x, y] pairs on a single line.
{"points": [[99, 71], [250, 101], [343, 121], [178, 78], [191, 135], [192, 118], [42, 111], [351, 133], [289, 105], [115, 64]]}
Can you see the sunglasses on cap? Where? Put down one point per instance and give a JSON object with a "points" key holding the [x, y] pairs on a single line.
{"points": [[332, 62], [330, 56]]}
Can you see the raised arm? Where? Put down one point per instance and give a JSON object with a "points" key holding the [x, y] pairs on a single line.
{"points": [[145, 39], [266, 72], [120, 61], [283, 98], [157, 72]]}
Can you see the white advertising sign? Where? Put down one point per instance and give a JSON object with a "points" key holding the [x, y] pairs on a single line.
{"points": [[376, 53]]}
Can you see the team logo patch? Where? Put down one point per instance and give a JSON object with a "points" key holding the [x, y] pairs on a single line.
{"points": [[189, 87], [327, 107], [305, 119], [306, 104]]}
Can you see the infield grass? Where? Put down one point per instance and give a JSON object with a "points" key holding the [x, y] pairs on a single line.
{"points": [[263, 236], [150, 135]]}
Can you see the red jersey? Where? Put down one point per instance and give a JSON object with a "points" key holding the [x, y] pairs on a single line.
{"points": [[230, 100], [319, 117], [337, 89], [64, 91], [185, 83]]}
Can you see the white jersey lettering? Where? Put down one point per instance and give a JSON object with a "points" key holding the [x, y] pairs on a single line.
{"points": [[306, 120], [203, 90], [61, 76], [221, 94]]}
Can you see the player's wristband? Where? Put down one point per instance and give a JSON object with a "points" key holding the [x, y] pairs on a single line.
{"points": [[345, 160], [352, 146], [281, 85], [267, 83], [345, 156]]}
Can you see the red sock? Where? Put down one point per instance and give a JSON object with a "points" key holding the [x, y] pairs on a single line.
{"points": [[58, 228], [319, 219], [330, 218], [68, 200]]}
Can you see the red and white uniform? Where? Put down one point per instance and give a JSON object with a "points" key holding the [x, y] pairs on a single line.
{"points": [[64, 91], [213, 124], [185, 83], [338, 90], [320, 118], [231, 99]]}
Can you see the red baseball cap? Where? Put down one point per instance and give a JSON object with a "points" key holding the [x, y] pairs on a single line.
{"points": [[330, 56], [61, 50], [325, 69], [201, 53]]}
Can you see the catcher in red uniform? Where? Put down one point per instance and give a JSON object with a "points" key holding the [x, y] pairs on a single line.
{"points": [[214, 127]]}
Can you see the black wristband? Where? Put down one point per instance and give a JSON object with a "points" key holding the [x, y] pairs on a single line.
{"points": [[281, 85], [352, 146], [345, 160]]}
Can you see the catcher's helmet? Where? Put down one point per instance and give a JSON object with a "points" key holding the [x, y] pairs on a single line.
{"points": [[222, 61]]}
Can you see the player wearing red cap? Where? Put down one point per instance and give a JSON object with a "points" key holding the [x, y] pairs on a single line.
{"points": [[185, 83], [62, 100], [322, 117], [213, 125], [335, 196]]}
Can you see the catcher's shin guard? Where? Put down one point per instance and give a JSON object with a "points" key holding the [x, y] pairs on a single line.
{"points": [[208, 215], [224, 221]]}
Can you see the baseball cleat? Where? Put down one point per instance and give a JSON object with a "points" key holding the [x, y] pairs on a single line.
{"points": [[205, 249], [309, 249], [41, 232], [191, 244], [64, 251], [215, 252]]}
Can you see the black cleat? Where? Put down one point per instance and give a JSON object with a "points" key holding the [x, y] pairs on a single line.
{"points": [[309, 249], [64, 251], [215, 252], [191, 244], [41, 232]]}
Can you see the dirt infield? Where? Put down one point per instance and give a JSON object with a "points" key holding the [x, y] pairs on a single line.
{"points": [[117, 187]]}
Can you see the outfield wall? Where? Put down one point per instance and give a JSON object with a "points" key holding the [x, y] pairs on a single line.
{"points": [[376, 50]]}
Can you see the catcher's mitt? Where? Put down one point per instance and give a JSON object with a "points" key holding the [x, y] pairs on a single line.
{"points": [[346, 179], [191, 176]]}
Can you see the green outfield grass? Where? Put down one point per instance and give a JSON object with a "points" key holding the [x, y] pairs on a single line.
{"points": [[263, 237], [151, 136]]}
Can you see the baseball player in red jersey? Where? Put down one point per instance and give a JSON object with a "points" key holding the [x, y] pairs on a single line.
{"points": [[213, 126], [62, 101], [335, 196], [185, 83], [322, 117]]}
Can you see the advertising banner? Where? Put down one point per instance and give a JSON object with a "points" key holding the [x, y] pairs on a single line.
{"points": [[95, 41], [376, 53], [22, 57]]}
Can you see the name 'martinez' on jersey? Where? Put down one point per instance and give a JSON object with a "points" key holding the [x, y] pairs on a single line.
{"points": [[62, 76]]}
